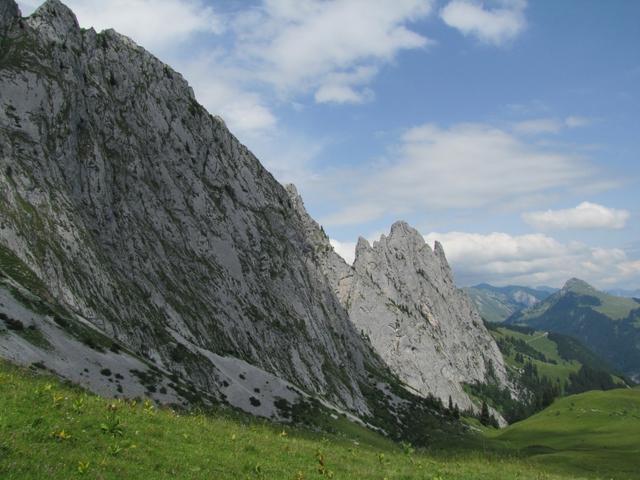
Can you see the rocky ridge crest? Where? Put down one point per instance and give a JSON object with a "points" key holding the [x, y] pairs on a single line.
{"points": [[158, 233], [146, 218], [400, 294]]}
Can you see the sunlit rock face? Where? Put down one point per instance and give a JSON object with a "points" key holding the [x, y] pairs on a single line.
{"points": [[144, 215], [401, 295]]}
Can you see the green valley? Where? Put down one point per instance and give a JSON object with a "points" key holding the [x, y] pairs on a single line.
{"points": [[607, 325], [594, 433], [545, 365]]}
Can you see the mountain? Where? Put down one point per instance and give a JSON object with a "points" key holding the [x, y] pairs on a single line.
{"points": [[401, 296], [147, 224], [144, 251], [608, 325], [544, 365], [620, 292], [496, 304]]}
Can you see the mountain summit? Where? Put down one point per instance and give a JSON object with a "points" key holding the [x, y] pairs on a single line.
{"points": [[400, 294], [577, 285], [145, 251], [151, 226]]}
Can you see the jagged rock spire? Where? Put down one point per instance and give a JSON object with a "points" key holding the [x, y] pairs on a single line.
{"points": [[400, 293], [403, 297], [55, 20]]}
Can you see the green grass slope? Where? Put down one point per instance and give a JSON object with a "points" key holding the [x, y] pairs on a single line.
{"points": [[53, 431], [537, 348], [544, 365], [594, 433], [555, 356]]}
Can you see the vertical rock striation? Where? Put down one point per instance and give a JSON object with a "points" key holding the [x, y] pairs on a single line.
{"points": [[154, 228], [143, 214]]}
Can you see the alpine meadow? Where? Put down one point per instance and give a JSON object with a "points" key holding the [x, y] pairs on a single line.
{"points": [[349, 239]]}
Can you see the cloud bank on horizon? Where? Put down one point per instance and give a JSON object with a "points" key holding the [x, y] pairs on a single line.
{"points": [[586, 215], [459, 116]]}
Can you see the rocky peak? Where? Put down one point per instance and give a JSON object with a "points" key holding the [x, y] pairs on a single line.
{"points": [[447, 273], [439, 251], [404, 248], [298, 205], [575, 284], [9, 12], [401, 295], [56, 20], [404, 237], [314, 232], [295, 197], [362, 247], [404, 298], [401, 228]]}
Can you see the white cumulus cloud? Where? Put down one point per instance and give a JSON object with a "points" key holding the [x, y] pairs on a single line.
{"points": [[538, 125], [535, 259], [577, 121], [332, 48], [464, 166], [587, 215], [341, 94], [496, 25]]}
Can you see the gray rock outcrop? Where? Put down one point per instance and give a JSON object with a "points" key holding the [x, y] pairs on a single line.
{"points": [[130, 207], [401, 295], [141, 213], [9, 13]]}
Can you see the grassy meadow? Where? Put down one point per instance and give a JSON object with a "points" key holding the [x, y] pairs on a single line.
{"points": [[594, 433], [55, 431]]}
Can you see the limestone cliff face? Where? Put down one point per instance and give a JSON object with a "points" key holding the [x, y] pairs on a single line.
{"points": [[143, 215], [138, 235], [400, 294]]}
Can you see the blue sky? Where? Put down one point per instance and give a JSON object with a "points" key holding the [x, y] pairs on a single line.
{"points": [[507, 129]]}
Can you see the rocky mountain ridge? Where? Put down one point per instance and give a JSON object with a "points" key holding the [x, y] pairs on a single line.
{"points": [[607, 324], [400, 294], [496, 304], [144, 215], [138, 235]]}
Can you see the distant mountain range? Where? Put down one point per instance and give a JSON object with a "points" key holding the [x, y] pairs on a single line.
{"points": [[607, 324], [496, 304], [620, 292]]}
